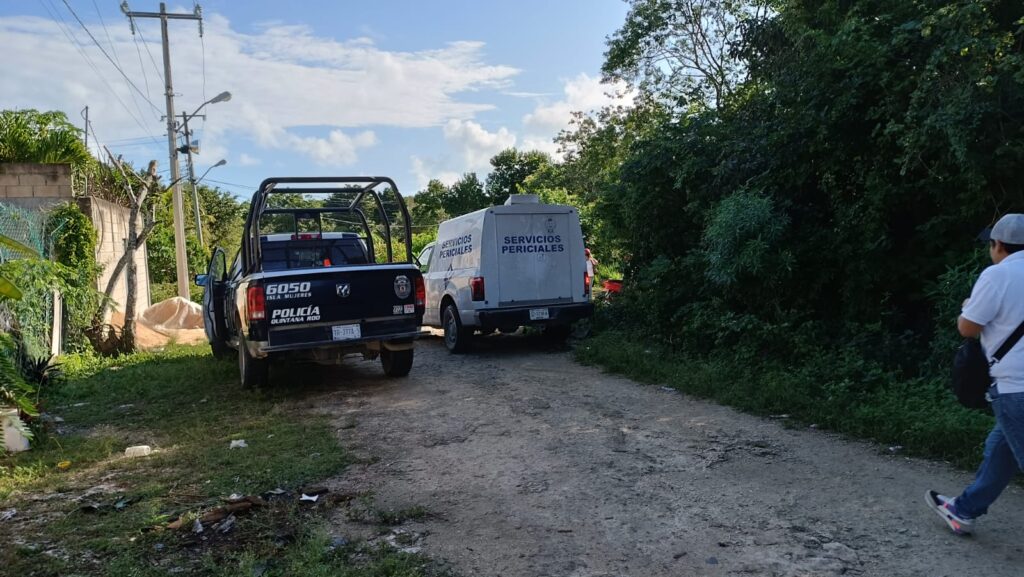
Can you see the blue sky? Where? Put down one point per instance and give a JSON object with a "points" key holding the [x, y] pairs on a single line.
{"points": [[409, 89]]}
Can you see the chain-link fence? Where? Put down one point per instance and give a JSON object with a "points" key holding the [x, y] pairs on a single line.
{"points": [[33, 315]]}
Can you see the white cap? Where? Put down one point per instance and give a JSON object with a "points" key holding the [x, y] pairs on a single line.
{"points": [[1009, 229]]}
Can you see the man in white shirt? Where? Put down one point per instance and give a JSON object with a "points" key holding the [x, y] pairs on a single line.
{"points": [[994, 311]]}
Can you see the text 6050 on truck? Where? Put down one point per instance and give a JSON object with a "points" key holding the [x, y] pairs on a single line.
{"points": [[325, 269]]}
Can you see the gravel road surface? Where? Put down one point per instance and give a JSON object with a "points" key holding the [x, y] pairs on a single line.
{"points": [[530, 464]]}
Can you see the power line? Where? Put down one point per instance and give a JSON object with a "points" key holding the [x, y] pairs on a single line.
{"points": [[65, 29], [142, 66], [113, 50], [100, 46], [235, 184], [138, 29]]}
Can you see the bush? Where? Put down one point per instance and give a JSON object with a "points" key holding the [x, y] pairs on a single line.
{"points": [[33, 313]]}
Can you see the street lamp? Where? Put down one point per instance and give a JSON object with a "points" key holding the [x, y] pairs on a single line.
{"points": [[187, 149], [195, 195], [220, 162], [181, 261], [222, 97]]}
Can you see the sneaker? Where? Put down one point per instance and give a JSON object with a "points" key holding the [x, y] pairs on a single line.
{"points": [[946, 508]]}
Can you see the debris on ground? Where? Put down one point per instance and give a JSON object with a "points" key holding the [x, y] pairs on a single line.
{"points": [[224, 526], [138, 451], [218, 514], [8, 514], [64, 465], [238, 444], [404, 540]]}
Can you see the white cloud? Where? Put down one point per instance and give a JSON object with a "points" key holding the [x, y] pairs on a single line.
{"points": [[580, 94], [469, 149], [476, 145], [246, 160], [291, 88], [425, 174]]}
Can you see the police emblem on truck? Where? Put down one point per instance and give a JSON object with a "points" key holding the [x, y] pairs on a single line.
{"points": [[402, 287], [343, 289]]}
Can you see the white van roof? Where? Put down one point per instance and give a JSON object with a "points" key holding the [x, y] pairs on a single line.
{"points": [[522, 199]]}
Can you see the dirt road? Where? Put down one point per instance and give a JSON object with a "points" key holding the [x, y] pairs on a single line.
{"points": [[532, 465]]}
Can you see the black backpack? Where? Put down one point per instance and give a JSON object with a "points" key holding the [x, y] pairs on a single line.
{"points": [[971, 378]]}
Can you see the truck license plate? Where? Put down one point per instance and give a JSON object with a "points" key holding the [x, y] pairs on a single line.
{"points": [[538, 314], [345, 332]]}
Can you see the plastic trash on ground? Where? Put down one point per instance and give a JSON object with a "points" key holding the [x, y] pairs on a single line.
{"points": [[138, 451]]}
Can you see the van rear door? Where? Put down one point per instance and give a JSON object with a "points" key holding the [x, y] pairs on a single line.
{"points": [[534, 258]]}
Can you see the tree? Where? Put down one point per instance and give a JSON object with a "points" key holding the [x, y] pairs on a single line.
{"points": [[43, 137], [465, 196], [682, 50], [136, 188], [509, 170], [428, 205]]}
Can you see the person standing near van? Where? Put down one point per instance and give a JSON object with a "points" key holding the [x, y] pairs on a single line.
{"points": [[993, 312], [591, 265]]}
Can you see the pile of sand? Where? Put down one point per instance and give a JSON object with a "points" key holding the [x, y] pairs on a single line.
{"points": [[175, 319]]}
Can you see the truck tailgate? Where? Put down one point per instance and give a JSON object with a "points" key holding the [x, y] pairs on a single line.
{"points": [[341, 304]]}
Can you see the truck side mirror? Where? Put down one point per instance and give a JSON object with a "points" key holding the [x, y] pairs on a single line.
{"points": [[201, 279]]}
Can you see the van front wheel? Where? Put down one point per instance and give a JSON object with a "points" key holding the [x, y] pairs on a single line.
{"points": [[456, 337]]}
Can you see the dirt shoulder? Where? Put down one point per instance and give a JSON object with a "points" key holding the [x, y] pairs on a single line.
{"points": [[530, 464]]}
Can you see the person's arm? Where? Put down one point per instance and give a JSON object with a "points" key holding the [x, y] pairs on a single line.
{"points": [[968, 329], [981, 308]]}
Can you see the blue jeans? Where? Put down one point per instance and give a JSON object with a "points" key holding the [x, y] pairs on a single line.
{"points": [[1004, 456]]}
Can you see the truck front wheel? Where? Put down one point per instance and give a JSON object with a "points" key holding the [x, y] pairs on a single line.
{"points": [[254, 371], [456, 337], [396, 363]]}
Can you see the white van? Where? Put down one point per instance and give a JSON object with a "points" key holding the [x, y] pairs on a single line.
{"points": [[505, 267]]}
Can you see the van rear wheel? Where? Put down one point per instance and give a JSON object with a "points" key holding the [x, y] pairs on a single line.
{"points": [[396, 363], [456, 337]]}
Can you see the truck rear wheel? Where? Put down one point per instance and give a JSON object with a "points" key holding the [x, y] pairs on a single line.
{"points": [[456, 337], [254, 372], [396, 363]]}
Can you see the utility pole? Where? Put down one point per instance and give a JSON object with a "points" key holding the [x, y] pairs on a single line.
{"points": [[192, 174], [180, 257], [85, 114]]}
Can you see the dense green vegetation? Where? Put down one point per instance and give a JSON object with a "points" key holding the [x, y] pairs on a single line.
{"points": [[798, 226]]}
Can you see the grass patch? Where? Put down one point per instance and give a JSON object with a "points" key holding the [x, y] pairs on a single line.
{"points": [[831, 391], [97, 517]]}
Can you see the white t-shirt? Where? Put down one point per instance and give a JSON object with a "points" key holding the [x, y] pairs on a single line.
{"points": [[997, 303]]}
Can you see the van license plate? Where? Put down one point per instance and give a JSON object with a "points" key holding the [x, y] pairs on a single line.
{"points": [[345, 332], [538, 314]]}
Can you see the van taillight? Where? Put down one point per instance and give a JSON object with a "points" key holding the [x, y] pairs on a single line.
{"points": [[476, 284], [257, 309], [421, 292], [586, 283]]}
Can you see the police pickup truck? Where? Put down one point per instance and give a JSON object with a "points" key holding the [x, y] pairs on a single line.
{"points": [[325, 269]]}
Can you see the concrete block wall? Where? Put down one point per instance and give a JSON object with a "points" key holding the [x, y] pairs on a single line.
{"points": [[35, 181], [111, 222]]}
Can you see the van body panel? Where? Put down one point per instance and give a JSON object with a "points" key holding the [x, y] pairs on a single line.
{"points": [[528, 255]]}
